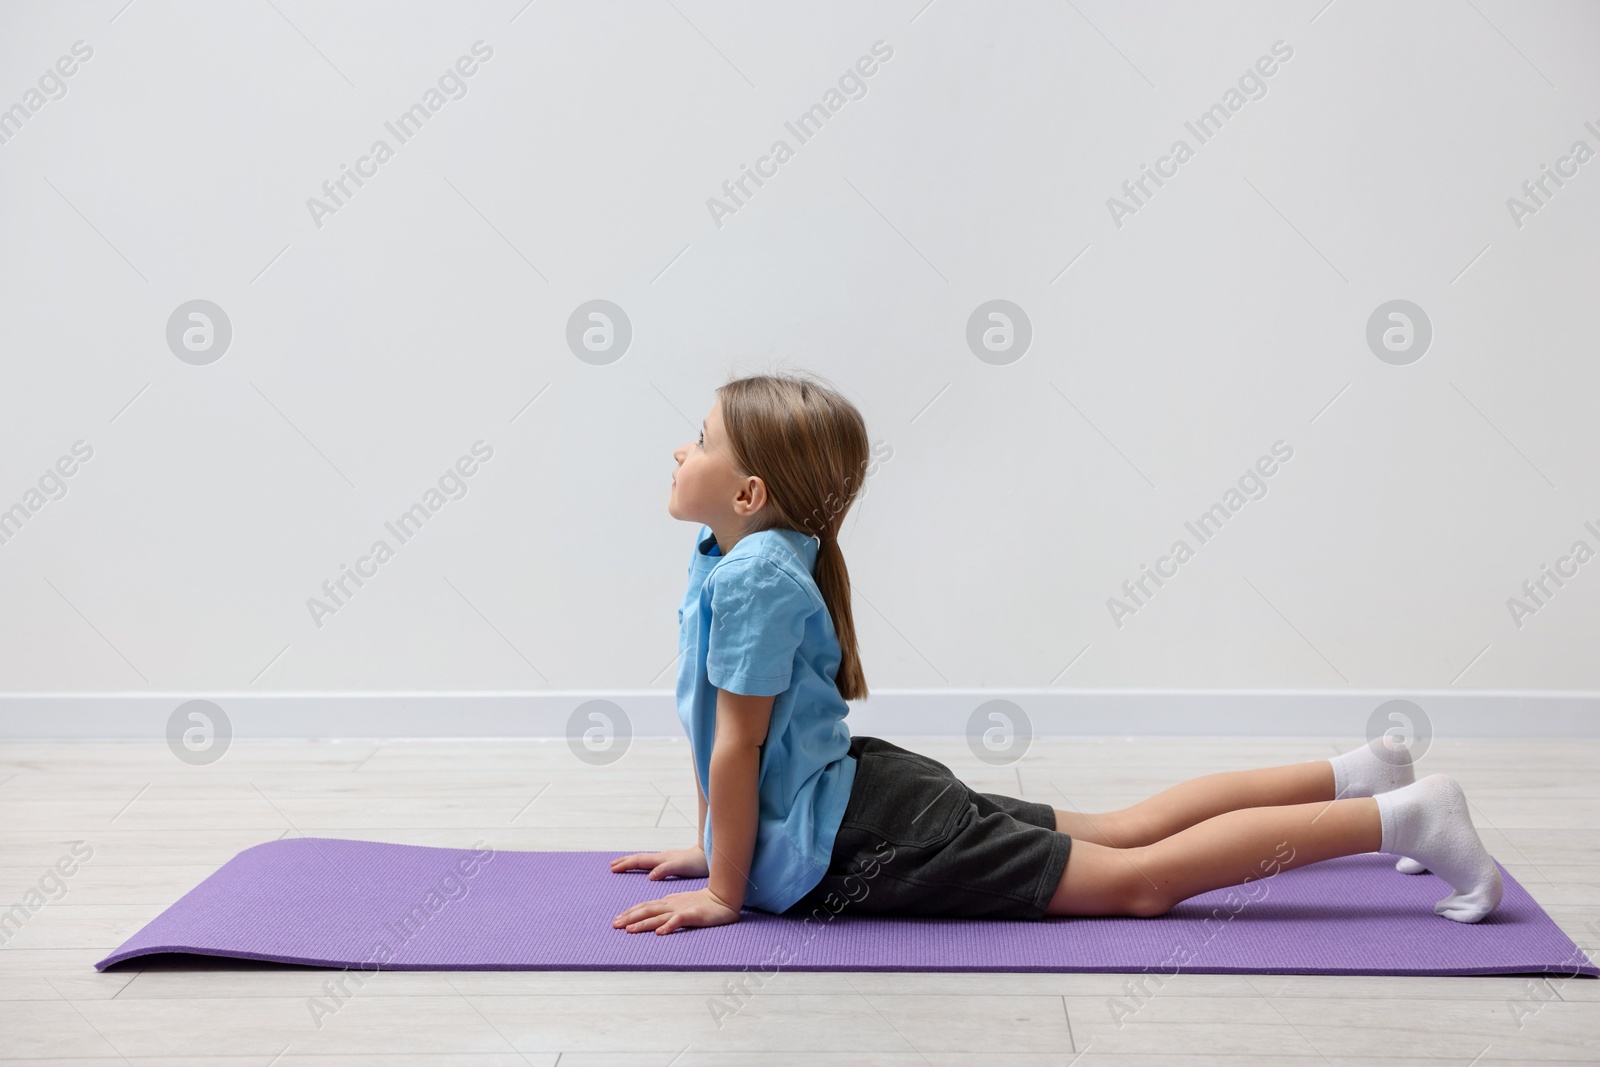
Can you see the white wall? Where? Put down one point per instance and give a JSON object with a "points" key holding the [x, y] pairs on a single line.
{"points": [[1228, 313]]}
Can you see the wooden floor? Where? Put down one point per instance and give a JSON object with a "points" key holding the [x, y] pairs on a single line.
{"points": [[158, 827]]}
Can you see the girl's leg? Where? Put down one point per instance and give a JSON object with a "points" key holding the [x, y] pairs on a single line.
{"points": [[1188, 803], [1226, 849]]}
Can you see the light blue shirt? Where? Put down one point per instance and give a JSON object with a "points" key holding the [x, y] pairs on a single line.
{"points": [[754, 622]]}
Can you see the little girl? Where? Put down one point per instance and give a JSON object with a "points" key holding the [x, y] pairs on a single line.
{"points": [[794, 812]]}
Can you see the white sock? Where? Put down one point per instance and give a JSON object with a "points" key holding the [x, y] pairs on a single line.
{"points": [[1428, 820], [1376, 767]]}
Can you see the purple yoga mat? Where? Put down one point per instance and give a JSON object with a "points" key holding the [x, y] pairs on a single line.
{"points": [[330, 902]]}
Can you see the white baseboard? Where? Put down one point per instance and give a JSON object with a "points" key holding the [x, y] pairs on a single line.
{"points": [[651, 713]]}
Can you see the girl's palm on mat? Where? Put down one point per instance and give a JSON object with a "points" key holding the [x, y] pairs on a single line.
{"points": [[699, 907], [681, 862]]}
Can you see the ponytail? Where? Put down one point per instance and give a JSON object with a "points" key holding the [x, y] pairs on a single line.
{"points": [[833, 580]]}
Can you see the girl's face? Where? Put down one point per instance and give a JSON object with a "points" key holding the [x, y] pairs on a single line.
{"points": [[706, 488]]}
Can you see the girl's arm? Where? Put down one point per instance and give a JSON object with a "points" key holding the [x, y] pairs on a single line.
{"points": [[741, 729], [700, 834], [735, 766]]}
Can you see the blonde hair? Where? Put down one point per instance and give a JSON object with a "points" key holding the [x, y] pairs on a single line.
{"points": [[809, 446]]}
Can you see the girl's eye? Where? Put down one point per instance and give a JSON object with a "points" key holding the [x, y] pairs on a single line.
{"points": [[702, 438]]}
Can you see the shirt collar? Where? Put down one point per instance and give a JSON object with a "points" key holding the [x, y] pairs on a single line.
{"points": [[707, 543], [802, 547]]}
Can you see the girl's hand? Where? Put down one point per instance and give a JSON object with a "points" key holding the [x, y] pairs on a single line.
{"points": [[701, 907], [681, 862]]}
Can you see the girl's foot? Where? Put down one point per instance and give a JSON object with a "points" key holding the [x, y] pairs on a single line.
{"points": [[1376, 767], [1428, 820]]}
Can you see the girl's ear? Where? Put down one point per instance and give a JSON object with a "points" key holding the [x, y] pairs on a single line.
{"points": [[755, 492]]}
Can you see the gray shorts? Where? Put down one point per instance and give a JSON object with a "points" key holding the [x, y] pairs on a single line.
{"points": [[916, 841]]}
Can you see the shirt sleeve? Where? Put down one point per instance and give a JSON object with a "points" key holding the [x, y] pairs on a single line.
{"points": [[758, 618]]}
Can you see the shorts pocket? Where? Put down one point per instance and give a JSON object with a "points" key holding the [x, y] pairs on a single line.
{"points": [[905, 802]]}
